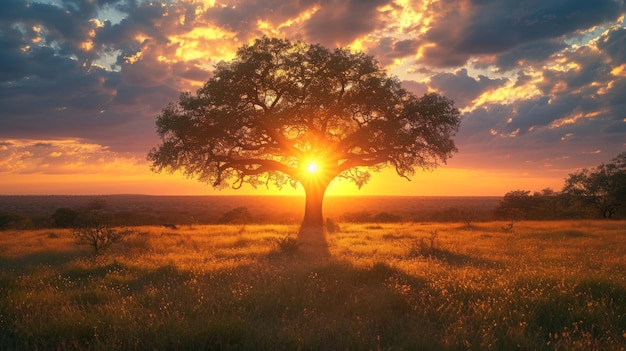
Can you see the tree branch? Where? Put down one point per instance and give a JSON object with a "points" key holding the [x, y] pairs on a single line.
{"points": [[241, 166]]}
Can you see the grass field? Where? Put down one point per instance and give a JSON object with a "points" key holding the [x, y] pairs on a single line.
{"points": [[413, 286]]}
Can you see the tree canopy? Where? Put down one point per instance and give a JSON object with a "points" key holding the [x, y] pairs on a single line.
{"points": [[602, 187], [284, 112], [589, 193]]}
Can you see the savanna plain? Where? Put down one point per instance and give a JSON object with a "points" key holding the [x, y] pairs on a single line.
{"points": [[528, 285]]}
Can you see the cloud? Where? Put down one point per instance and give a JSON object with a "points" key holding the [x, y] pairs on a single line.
{"points": [[468, 28], [462, 88], [69, 156], [51, 85], [339, 23], [388, 49], [531, 53], [416, 88], [575, 116], [614, 45]]}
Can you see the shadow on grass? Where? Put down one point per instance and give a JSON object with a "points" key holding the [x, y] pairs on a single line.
{"points": [[42, 258], [289, 303], [277, 304], [296, 303], [559, 235], [453, 258]]}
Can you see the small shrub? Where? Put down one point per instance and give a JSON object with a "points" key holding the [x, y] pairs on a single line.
{"points": [[139, 242], [52, 235], [508, 228], [331, 226], [288, 245], [424, 247]]}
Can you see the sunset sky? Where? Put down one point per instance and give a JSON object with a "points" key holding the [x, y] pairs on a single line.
{"points": [[541, 84]]}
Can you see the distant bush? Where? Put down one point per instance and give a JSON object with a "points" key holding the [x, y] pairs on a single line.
{"points": [[64, 217], [238, 215], [545, 205], [358, 217], [367, 217], [10, 220], [386, 217]]}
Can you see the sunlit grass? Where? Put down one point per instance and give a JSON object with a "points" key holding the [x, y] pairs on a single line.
{"points": [[540, 286]]}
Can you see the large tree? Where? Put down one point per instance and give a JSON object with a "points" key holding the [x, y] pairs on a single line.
{"points": [[285, 112], [602, 187]]}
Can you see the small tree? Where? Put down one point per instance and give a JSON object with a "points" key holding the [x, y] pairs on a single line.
{"points": [[95, 228], [287, 112], [515, 205], [602, 187]]}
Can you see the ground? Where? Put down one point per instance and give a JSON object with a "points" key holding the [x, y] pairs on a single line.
{"points": [[538, 285]]}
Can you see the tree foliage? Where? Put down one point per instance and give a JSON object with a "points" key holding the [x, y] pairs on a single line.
{"points": [[546, 204], [516, 205], [284, 112], [64, 217], [279, 105], [588, 193], [603, 187]]}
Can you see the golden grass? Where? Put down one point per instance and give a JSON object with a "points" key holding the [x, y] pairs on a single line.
{"points": [[544, 285]]}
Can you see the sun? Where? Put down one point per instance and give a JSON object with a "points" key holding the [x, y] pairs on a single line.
{"points": [[312, 167]]}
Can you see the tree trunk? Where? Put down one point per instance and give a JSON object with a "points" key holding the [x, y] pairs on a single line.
{"points": [[312, 236]]}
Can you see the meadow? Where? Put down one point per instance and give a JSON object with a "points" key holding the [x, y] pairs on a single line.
{"points": [[558, 285]]}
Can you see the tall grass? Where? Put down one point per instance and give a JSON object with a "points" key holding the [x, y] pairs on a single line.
{"points": [[542, 286]]}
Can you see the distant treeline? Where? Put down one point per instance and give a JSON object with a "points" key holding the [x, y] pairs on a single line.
{"points": [[599, 192], [29, 212], [515, 205]]}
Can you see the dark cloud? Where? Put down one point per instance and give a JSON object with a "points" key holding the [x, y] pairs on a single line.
{"points": [[528, 54], [388, 49], [338, 23], [484, 122], [614, 45], [485, 141], [497, 26], [614, 100], [416, 88], [462, 88], [540, 112], [145, 19]]}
